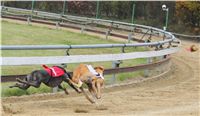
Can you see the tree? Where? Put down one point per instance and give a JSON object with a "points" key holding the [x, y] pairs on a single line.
{"points": [[188, 13]]}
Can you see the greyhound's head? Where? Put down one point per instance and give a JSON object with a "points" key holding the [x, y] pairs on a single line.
{"points": [[99, 69], [99, 82]]}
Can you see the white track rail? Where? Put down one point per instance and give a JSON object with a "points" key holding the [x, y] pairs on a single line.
{"points": [[168, 39], [84, 58]]}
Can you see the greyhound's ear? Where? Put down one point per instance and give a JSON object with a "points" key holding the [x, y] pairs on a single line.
{"points": [[99, 67]]}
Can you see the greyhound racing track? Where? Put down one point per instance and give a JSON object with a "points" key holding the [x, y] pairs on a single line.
{"points": [[176, 93]]}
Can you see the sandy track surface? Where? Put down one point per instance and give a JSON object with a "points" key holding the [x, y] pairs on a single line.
{"points": [[177, 93]]}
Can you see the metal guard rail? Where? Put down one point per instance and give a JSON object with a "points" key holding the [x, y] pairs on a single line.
{"points": [[59, 16], [167, 34], [40, 47], [170, 38]]}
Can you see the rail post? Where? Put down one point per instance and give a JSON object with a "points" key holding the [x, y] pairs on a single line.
{"points": [[147, 72], [149, 60], [64, 65], [57, 25], [115, 64], [129, 37], [82, 29], [28, 20], [107, 34]]}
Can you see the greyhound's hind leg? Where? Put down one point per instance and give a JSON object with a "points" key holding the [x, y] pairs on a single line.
{"points": [[21, 86], [60, 87], [35, 84], [67, 80], [16, 85], [76, 89]]}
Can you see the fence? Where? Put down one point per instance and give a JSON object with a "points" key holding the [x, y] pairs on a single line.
{"points": [[168, 44]]}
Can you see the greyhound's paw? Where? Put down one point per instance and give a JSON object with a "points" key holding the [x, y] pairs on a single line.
{"points": [[79, 92], [66, 92]]}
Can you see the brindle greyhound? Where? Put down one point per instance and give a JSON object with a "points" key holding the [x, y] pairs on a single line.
{"points": [[37, 77]]}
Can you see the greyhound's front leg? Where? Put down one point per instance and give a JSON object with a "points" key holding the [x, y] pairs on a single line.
{"points": [[86, 95], [90, 89], [94, 89], [36, 84]]}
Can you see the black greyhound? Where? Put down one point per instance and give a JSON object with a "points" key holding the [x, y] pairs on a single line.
{"points": [[37, 77]]}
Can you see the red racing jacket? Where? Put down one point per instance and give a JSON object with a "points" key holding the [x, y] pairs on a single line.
{"points": [[54, 71]]}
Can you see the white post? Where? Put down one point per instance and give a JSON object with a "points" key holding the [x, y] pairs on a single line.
{"points": [[115, 64], [149, 60], [129, 37], [28, 20], [146, 71], [113, 79], [82, 29], [57, 25], [107, 34]]}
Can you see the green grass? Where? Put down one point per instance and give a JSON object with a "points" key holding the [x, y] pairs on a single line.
{"points": [[22, 34], [122, 77], [18, 34], [7, 92]]}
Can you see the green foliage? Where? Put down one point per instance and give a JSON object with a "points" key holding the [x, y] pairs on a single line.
{"points": [[181, 14], [188, 14]]}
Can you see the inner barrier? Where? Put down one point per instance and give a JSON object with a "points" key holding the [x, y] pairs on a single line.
{"points": [[167, 44]]}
